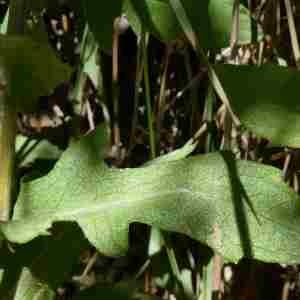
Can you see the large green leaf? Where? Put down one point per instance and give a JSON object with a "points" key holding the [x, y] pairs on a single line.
{"points": [[265, 99], [33, 70], [236, 207], [211, 19]]}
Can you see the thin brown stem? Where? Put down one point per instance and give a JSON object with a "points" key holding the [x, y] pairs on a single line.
{"points": [[162, 92]]}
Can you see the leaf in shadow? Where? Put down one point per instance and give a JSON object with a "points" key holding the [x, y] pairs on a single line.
{"points": [[36, 269], [264, 98], [239, 199]]}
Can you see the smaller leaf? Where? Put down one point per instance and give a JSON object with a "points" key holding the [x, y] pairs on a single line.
{"points": [[100, 16], [49, 262], [132, 16], [33, 70], [177, 154], [211, 20], [4, 24], [29, 287], [265, 100], [156, 16], [30, 150], [186, 279], [91, 66], [156, 241], [105, 292], [125, 290]]}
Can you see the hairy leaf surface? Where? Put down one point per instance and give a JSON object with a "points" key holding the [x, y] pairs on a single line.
{"points": [[236, 207]]}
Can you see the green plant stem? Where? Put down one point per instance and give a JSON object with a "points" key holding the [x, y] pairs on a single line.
{"points": [[165, 238], [77, 92], [162, 93], [7, 152], [115, 91], [209, 104], [8, 117], [207, 288], [227, 132], [148, 95], [194, 89], [138, 80], [155, 232], [172, 258], [254, 26], [209, 271]]}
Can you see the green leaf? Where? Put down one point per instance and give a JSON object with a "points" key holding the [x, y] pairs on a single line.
{"points": [[23, 286], [236, 207], [106, 292], [177, 154], [265, 100], [33, 68], [211, 20], [41, 266], [4, 24], [124, 290], [186, 279], [30, 288], [130, 12], [29, 150], [100, 16], [90, 59], [156, 16]]}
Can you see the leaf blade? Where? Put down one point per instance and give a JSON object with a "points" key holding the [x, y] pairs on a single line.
{"points": [[210, 19], [264, 98], [33, 68], [193, 196]]}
